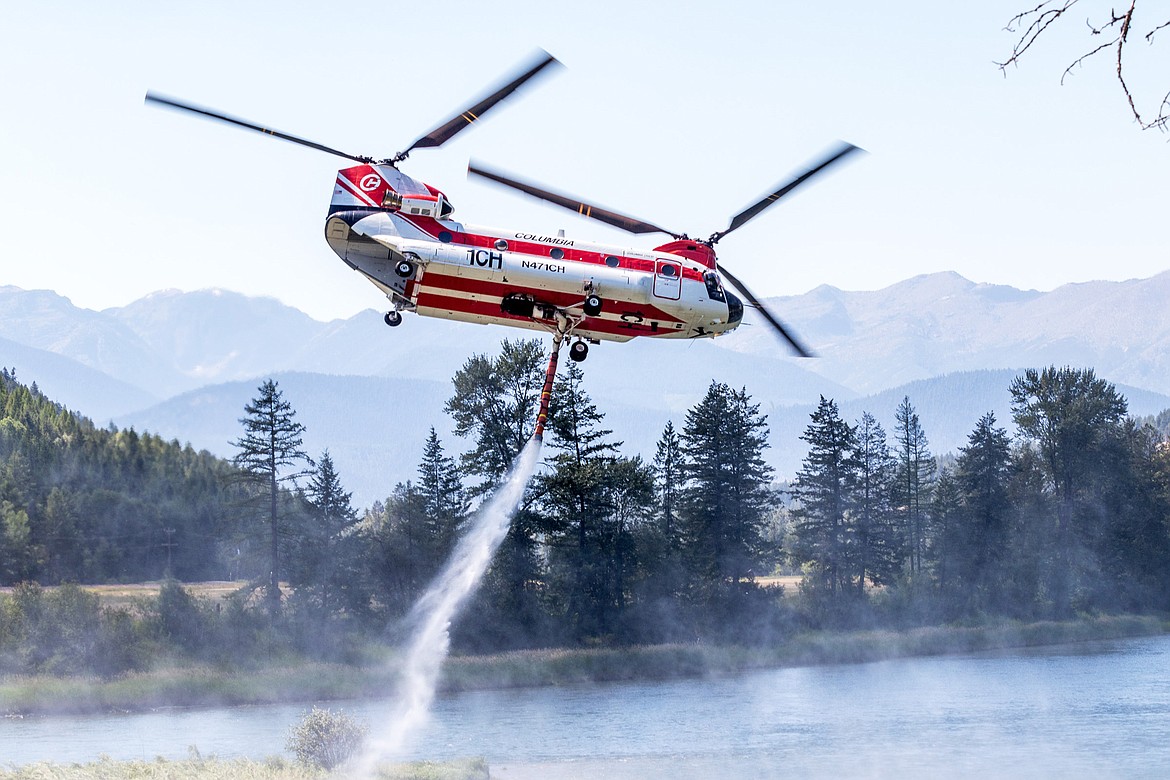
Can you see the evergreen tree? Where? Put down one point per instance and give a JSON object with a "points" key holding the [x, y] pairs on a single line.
{"points": [[323, 565], [398, 531], [444, 502], [269, 455], [627, 502], [916, 469], [416, 528], [982, 476], [727, 496], [949, 548], [825, 488], [667, 469], [877, 552], [663, 576], [575, 495]]}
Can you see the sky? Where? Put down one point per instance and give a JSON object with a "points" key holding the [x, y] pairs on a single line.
{"points": [[681, 113]]}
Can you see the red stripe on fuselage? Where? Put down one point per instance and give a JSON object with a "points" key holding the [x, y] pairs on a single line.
{"points": [[431, 300], [436, 283]]}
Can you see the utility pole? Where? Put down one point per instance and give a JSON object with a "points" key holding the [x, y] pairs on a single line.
{"points": [[170, 546]]}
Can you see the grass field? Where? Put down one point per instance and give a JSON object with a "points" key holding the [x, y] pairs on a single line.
{"points": [[130, 595], [217, 591]]}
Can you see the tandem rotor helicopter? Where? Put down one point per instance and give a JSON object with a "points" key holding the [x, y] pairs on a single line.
{"points": [[398, 232]]}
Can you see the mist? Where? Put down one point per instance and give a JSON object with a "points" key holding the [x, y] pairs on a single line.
{"points": [[436, 609]]}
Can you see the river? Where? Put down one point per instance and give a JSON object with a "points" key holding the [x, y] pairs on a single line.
{"points": [[1099, 710]]}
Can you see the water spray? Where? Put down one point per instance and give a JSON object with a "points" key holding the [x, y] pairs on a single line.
{"points": [[433, 613]]}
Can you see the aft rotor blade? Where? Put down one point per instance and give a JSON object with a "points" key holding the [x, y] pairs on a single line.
{"points": [[443, 133], [629, 224], [152, 97], [747, 214], [750, 297]]}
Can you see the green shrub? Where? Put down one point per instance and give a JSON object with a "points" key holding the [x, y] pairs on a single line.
{"points": [[325, 738]]}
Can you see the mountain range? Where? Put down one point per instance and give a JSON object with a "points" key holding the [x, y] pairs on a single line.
{"points": [[184, 364]]}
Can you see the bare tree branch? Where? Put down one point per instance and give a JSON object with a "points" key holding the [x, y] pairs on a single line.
{"points": [[1031, 24], [1042, 17], [1150, 34]]}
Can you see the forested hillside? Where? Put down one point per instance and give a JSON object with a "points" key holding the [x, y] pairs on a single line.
{"points": [[86, 504], [1070, 516]]}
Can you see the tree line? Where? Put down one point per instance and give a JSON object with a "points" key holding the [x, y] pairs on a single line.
{"points": [[87, 504], [1071, 515]]}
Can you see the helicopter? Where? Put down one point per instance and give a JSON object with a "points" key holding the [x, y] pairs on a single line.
{"points": [[399, 233]]}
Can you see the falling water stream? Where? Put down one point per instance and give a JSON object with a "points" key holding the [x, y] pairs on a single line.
{"points": [[433, 613]]}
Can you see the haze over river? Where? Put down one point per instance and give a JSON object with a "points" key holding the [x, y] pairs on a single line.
{"points": [[1099, 710]]}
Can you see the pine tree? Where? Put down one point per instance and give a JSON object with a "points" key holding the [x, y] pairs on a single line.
{"points": [[398, 533], [667, 469], [270, 455], [877, 554], [323, 566], [982, 476], [824, 490], [576, 495], [661, 542], [444, 500], [727, 496], [948, 551], [415, 530], [916, 468]]}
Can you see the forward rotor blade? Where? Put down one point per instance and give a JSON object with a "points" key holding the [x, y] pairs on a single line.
{"points": [[747, 214], [152, 97], [762, 309], [629, 224], [443, 133]]}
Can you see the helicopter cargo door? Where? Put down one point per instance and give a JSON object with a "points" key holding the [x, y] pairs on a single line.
{"points": [[668, 280]]}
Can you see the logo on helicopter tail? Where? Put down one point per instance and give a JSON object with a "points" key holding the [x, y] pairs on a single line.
{"points": [[370, 182]]}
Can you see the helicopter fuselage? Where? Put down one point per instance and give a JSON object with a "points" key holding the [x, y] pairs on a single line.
{"points": [[397, 232]]}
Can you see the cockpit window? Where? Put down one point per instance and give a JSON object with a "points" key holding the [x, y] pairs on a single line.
{"points": [[714, 289], [445, 207]]}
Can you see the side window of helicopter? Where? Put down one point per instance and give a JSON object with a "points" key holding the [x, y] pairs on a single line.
{"points": [[714, 290], [556, 253], [612, 261], [668, 270]]}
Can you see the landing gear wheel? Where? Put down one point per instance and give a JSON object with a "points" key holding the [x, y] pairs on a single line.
{"points": [[578, 351], [393, 319], [404, 268], [592, 306]]}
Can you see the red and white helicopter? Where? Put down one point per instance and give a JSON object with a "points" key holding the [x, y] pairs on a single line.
{"points": [[398, 232]]}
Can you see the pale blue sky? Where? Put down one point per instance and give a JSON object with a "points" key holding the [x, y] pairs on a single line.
{"points": [[679, 112]]}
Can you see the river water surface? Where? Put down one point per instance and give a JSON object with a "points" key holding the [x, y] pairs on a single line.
{"points": [[1099, 710]]}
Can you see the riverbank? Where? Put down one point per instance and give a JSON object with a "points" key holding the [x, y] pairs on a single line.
{"points": [[207, 686], [197, 768]]}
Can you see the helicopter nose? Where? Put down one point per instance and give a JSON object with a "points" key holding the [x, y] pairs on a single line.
{"points": [[734, 309]]}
